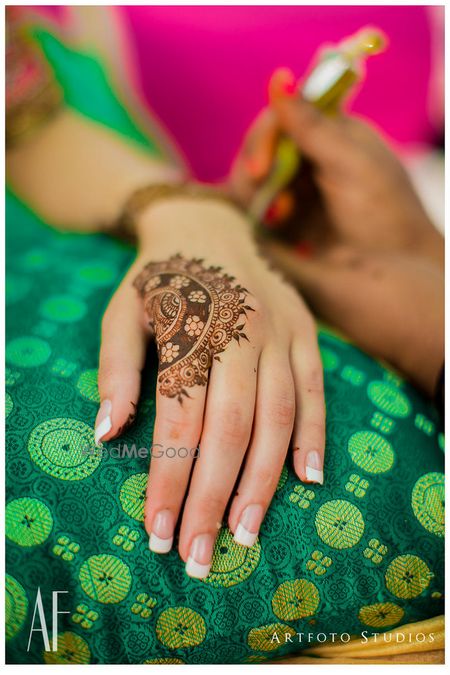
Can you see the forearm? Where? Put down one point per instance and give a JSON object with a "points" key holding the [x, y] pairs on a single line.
{"points": [[77, 174]]}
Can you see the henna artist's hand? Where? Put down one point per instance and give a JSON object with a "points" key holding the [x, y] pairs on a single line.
{"points": [[390, 304], [353, 189], [239, 374]]}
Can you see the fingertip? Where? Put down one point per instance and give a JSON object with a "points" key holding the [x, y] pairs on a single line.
{"points": [[308, 466], [282, 84], [113, 418]]}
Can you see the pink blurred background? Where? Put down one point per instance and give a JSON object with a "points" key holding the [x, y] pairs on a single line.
{"points": [[203, 70]]}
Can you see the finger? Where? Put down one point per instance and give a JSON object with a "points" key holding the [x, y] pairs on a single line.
{"points": [[281, 208], [225, 437], [274, 419], [254, 159], [320, 137], [122, 355], [175, 439], [260, 144], [309, 430]]}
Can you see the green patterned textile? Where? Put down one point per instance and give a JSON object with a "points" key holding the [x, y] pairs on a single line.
{"points": [[364, 552]]}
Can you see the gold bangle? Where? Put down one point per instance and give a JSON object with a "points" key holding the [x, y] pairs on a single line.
{"points": [[142, 198]]}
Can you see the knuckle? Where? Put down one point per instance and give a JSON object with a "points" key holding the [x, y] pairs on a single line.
{"points": [[313, 381], [259, 313], [306, 329], [233, 428], [266, 477], [282, 409], [174, 428], [212, 503]]}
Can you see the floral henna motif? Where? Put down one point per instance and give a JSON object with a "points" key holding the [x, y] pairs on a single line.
{"points": [[195, 312]]}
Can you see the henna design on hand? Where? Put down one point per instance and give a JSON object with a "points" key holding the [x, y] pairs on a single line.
{"points": [[129, 421], [195, 312]]}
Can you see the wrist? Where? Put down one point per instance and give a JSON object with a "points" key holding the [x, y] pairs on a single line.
{"points": [[197, 225]]}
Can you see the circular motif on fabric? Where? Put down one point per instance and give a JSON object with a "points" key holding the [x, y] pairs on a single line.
{"points": [[407, 576], [16, 606], [381, 615], [132, 495], [16, 288], [27, 352], [427, 501], [64, 448], [371, 452], [87, 385], [295, 599], [180, 627], [9, 404], [105, 578], [231, 562], [28, 521], [36, 259], [388, 398], [270, 637], [63, 308], [339, 524], [330, 360], [96, 274], [71, 649]]}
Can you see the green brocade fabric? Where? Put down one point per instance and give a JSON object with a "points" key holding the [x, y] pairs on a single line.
{"points": [[364, 552]]}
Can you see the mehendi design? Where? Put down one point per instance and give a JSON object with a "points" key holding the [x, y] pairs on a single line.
{"points": [[129, 421], [195, 312]]}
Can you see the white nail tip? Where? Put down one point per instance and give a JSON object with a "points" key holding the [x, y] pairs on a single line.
{"points": [[102, 429], [314, 475], [244, 537], [196, 570], [158, 545]]}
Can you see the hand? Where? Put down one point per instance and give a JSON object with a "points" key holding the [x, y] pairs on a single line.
{"points": [[390, 304], [239, 374], [352, 189]]}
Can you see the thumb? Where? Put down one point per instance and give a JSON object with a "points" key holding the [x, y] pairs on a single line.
{"points": [[320, 137]]}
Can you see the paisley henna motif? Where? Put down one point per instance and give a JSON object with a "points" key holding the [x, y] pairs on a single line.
{"points": [[195, 312]]}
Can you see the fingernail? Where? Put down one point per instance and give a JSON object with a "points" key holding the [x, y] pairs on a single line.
{"points": [[290, 87], [103, 422], [282, 83], [161, 536], [314, 467], [249, 524], [280, 209], [200, 556]]}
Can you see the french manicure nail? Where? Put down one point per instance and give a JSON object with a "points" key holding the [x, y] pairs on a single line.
{"points": [[103, 423], [200, 556], [161, 536], [249, 524], [314, 467]]}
